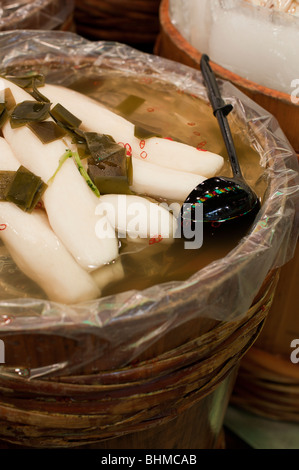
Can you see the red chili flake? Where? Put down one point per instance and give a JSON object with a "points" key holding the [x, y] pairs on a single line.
{"points": [[128, 149], [168, 138], [143, 154], [196, 133], [150, 110], [121, 143], [39, 205], [200, 145], [191, 123], [146, 80], [157, 239], [142, 144], [3, 226]]}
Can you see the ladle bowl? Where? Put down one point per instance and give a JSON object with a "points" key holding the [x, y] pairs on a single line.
{"points": [[226, 202]]}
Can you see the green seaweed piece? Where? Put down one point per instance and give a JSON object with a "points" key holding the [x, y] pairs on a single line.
{"points": [[129, 165], [26, 80], [130, 104], [28, 111], [103, 146], [112, 176], [47, 131], [78, 138], [7, 98], [64, 117], [30, 82], [143, 133], [7, 103], [3, 114], [25, 189], [109, 166], [36, 93]]}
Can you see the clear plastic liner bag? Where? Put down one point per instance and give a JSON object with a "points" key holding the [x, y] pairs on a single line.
{"points": [[254, 39], [116, 328], [36, 14]]}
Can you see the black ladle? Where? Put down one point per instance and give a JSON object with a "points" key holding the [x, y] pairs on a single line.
{"points": [[226, 202]]}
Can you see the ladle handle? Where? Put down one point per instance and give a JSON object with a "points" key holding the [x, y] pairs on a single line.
{"points": [[220, 110]]}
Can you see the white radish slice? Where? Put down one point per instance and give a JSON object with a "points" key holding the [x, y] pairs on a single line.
{"points": [[137, 217], [69, 202], [8, 161], [42, 257], [109, 273], [38, 252], [164, 152], [179, 156], [148, 179], [77, 219]]}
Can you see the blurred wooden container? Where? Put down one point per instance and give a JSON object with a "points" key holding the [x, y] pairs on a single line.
{"points": [[268, 380], [172, 45], [134, 22], [45, 14]]}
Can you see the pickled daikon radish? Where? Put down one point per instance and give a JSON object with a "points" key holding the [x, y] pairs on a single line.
{"points": [[137, 217], [38, 252], [78, 230], [163, 152], [69, 202]]}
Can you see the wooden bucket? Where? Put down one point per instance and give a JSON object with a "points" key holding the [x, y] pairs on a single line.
{"points": [[45, 14], [173, 395], [164, 399], [134, 22], [172, 45]]}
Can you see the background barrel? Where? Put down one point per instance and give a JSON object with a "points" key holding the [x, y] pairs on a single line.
{"points": [[172, 45]]}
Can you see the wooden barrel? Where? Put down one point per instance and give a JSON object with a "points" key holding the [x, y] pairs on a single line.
{"points": [[172, 395], [172, 45], [44, 14], [134, 22]]}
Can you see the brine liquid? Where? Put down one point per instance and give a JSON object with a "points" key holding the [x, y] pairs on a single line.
{"points": [[178, 116]]}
